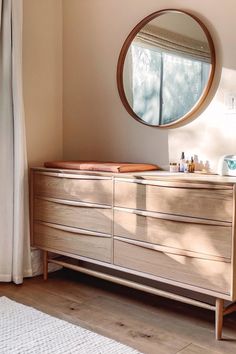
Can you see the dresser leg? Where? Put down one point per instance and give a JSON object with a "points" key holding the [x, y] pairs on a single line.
{"points": [[219, 314], [45, 265]]}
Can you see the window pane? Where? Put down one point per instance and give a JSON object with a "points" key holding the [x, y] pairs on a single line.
{"points": [[146, 65], [180, 95]]}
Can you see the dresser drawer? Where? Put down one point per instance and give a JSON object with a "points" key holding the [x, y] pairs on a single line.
{"points": [[215, 204], [85, 217], [88, 189], [198, 272], [95, 247], [197, 235]]}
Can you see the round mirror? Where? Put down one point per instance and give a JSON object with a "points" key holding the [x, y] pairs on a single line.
{"points": [[165, 68]]}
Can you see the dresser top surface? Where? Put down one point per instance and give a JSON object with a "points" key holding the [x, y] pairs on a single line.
{"points": [[150, 175]]}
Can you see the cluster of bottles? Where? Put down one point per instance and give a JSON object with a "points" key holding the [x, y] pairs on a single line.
{"points": [[191, 165], [186, 165]]}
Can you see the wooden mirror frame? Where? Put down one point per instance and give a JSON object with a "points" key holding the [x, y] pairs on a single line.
{"points": [[122, 56]]}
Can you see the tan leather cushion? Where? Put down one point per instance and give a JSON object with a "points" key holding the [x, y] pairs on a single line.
{"points": [[116, 167]]}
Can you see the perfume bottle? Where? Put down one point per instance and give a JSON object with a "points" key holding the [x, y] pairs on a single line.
{"points": [[182, 163], [192, 165]]}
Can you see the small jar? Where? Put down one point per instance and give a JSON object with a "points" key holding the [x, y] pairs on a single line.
{"points": [[174, 167]]}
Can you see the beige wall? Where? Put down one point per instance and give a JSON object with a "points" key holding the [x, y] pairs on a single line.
{"points": [[42, 75], [212, 134], [95, 123]]}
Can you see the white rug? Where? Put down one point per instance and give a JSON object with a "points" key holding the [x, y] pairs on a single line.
{"points": [[24, 330]]}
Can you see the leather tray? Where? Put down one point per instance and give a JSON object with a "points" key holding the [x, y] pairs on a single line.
{"points": [[115, 167]]}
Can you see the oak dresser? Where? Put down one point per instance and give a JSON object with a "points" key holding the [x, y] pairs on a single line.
{"points": [[177, 229]]}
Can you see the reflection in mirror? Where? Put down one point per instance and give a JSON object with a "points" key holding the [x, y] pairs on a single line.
{"points": [[167, 67]]}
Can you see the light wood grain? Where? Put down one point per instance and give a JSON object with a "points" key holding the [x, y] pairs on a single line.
{"points": [[45, 265], [202, 273], [230, 308], [172, 217], [31, 203], [219, 312], [186, 235], [233, 269], [173, 250], [197, 349], [75, 203], [74, 174], [94, 219], [100, 310], [148, 323], [78, 244], [132, 284], [176, 230], [128, 271], [200, 203], [74, 230], [88, 189], [180, 180], [207, 180]]}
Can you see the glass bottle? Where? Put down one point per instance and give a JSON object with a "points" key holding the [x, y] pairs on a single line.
{"points": [[182, 163]]}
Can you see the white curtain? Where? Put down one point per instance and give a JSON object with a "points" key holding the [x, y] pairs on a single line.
{"points": [[15, 260]]}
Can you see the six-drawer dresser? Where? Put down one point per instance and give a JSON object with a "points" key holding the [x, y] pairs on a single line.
{"points": [[177, 229]]}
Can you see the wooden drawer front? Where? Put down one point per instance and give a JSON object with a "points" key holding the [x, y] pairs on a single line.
{"points": [[186, 233], [88, 218], [215, 204], [84, 189], [203, 273], [96, 247]]}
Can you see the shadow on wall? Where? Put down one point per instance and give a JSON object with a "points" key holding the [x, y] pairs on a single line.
{"points": [[212, 134]]}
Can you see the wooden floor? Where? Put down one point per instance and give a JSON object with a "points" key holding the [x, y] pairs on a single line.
{"points": [[151, 324]]}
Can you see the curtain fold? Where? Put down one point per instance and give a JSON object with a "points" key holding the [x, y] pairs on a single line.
{"points": [[175, 43], [15, 260]]}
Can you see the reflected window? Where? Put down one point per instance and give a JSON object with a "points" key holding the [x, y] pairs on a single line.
{"points": [[155, 97]]}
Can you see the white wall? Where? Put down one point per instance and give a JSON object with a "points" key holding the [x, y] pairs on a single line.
{"points": [[42, 75]]}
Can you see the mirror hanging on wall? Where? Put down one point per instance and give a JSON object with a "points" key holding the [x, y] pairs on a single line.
{"points": [[166, 67]]}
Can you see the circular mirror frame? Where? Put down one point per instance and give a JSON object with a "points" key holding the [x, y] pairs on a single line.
{"points": [[122, 56]]}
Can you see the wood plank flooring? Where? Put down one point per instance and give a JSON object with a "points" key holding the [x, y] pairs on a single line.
{"points": [[151, 324]]}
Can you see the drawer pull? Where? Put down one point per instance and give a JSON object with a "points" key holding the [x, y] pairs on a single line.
{"points": [[66, 175], [79, 244], [202, 275], [171, 250], [72, 176], [74, 203], [173, 217], [73, 229], [175, 184], [202, 203]]}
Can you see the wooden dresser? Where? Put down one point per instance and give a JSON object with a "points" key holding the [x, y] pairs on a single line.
{"points": [[177, 229]]}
